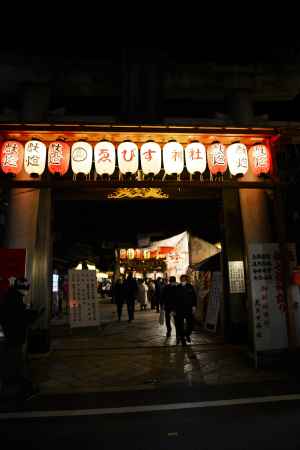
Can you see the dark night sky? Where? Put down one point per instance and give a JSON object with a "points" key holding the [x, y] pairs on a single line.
{"points": [[121, 221]]}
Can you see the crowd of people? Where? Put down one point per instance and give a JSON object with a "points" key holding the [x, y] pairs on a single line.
{"points": [[172, 299]]}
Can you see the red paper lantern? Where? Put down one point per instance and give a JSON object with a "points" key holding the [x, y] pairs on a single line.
{"points": [[12, 155], [58, 157], [260, 159], [216, 158], [138, 253]]}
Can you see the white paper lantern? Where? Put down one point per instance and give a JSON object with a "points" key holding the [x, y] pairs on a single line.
{"points": [[81, 157], [195, 157], [105, 158], [173, 158], [151, 158], [237, 157], [34, 157], [130, 253], [128, 157]]}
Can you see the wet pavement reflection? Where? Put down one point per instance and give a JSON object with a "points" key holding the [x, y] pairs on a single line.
{"points": [[126, 356]]}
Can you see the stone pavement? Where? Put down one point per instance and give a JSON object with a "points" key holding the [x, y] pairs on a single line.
{"points": [[122, 356]]}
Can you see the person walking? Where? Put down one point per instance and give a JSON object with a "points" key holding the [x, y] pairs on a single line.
{"points": [[158, 293], [15, 319], [151, 294], [118, 296], [168, 300], [130, 293], [142, 296], [184, 310]]}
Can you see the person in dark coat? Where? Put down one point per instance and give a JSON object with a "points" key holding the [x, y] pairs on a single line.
{"points": [[168, 299], [184, 309], [15, 319], [130, 294], [118, 296], [159, 285]]}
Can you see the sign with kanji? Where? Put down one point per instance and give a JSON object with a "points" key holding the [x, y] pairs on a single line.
{"points": [[236, 277], [267, 293], [83, 306]]}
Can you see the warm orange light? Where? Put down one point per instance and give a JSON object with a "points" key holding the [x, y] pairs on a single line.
{"points": [[12, 155], [216, 158], [58, 157], [260, 159]]}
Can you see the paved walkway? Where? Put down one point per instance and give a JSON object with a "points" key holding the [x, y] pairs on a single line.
{"points": [[130, 356]]}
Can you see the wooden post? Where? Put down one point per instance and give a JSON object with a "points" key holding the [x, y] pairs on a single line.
{"points": [[285, 264]]}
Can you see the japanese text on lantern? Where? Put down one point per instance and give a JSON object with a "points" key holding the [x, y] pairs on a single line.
{"points": [[10, 155], [33, 156], [56, 154], [260, 156]]}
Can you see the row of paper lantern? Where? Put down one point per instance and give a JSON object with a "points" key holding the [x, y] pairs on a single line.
{"points": [[146, 253], [34, 154], [136, 253]]}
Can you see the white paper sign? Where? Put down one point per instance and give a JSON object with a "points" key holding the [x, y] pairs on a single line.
{"points": [[83, 305], [236, 277], [214, 301], [268, 303]]}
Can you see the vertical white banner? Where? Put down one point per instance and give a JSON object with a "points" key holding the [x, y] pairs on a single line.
{"points": [[214, 302], [267, 294], [83, 306]]}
